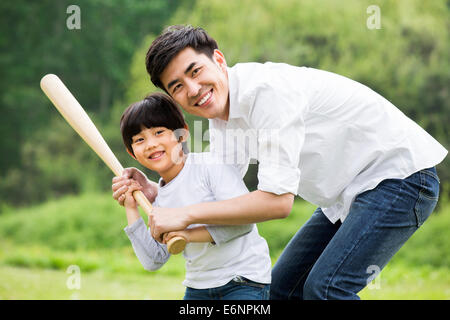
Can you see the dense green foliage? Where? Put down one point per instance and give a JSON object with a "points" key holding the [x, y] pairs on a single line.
{"points": [[41, 157], [407, 61]]}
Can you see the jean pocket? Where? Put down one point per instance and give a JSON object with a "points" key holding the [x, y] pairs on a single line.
{"points": [[428, 197]]}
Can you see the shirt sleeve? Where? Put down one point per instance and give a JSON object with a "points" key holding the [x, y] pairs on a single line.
{"points": [[225, 182], [152, 254], [277, 117]]}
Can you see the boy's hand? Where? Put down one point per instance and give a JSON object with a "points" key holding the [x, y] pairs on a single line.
{"points": [[129, 201], [120, 185], [183, 233]]}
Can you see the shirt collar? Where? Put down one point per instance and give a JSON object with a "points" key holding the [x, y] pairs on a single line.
{"points": [[236, 110]]}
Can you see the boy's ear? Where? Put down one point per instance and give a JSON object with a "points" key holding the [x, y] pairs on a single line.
{"points": [[184, 134], [129, 152]]}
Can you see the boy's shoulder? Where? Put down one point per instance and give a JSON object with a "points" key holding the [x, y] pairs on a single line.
{"points": [[206, 159]]}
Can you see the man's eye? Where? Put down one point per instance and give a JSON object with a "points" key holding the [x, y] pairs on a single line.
{"points": [[175, 88], [195, 71]]}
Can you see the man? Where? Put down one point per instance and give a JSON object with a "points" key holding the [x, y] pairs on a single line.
{"points": [[333, 141]]}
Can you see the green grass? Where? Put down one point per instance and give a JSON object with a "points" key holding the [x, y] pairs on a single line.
{"points": [[38, 244], [395, 282], [44, 284]]}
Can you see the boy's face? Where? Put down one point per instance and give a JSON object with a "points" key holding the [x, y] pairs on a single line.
{"points": [[158, 149], [198, 84]]}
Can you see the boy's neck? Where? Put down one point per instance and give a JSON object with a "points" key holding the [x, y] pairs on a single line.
{"points": [[170, 174]]}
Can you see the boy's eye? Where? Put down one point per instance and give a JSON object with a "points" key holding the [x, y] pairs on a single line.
{"points": [[195, 71], [136, 140], [158, 132]]}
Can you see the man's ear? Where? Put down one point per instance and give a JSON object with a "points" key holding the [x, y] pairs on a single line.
{"points": [[220, 58], [131, 154]]}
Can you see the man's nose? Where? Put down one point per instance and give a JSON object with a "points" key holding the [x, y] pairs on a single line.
{"points": [[193, 88]]}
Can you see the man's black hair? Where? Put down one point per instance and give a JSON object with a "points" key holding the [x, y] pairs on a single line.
{"points": [[173, 40]]}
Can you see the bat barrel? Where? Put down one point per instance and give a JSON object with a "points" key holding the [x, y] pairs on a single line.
{"points": [[75, 115]]}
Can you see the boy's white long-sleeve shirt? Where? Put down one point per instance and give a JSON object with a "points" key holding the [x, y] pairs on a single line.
{"points": [[238, 250]]}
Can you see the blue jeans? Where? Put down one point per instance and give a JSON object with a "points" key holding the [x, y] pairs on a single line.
{"points": [[239, 288], [336, 261]]}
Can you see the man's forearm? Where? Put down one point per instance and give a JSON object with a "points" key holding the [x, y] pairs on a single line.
{"points": [[253, 207], [152, 192]]}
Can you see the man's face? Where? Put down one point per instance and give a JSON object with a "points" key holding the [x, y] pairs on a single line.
{"points": [[198, 84]]}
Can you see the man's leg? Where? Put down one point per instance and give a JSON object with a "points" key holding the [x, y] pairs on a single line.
{"points": [[292, 267], [380, 221]]}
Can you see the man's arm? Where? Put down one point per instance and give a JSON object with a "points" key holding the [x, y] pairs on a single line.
{"points": [[253, 207]]}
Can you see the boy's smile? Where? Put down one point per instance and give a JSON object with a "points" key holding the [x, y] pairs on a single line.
{"points": [[198, 84], [157, 155], [157, 149]]}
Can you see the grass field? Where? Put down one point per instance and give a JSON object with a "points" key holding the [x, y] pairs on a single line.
{"points": [[39, 244]]}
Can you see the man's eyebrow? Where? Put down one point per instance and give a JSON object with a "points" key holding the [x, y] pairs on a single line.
{"points": [[189, 68]]}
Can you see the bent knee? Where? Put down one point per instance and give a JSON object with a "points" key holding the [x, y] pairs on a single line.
{"points": [[321, 288]]}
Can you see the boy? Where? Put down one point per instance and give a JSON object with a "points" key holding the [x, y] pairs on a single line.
{"points": [[153, 132]]}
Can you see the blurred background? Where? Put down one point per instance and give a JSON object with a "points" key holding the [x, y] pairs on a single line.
{"points": [[56, 208]]}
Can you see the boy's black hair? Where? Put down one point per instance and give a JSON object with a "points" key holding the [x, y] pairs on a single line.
{"points": [[156, 110], [167, 45]]}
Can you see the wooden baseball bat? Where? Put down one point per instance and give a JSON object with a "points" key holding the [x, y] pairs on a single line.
{"points": [[75, 115]]}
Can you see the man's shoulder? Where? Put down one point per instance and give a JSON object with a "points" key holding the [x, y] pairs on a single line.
{"points": [[260, 72], [248, 79]]}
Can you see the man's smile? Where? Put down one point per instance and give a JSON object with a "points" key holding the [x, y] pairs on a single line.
{"points": [[205, 99]]}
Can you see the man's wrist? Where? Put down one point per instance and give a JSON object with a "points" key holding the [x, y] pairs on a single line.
{"points": [[190, 216]]}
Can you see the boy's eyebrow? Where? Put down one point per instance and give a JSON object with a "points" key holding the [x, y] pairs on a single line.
{"points": [[189, 68]]}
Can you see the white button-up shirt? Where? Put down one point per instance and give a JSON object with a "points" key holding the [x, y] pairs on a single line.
{"points": [[317, 134]]}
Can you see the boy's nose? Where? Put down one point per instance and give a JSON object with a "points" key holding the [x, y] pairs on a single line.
{"points": [[151, 143]]}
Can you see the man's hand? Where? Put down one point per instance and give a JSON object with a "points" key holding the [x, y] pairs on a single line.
{"points": [[164, 220], [130, 202], [120, 185]]}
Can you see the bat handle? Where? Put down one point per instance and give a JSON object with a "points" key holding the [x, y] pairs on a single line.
{"points": [[176, 244]]}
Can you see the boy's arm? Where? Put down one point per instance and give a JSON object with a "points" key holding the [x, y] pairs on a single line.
{"points": [[203, 234], [223, 233], [197, 234], [150, 253]]}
